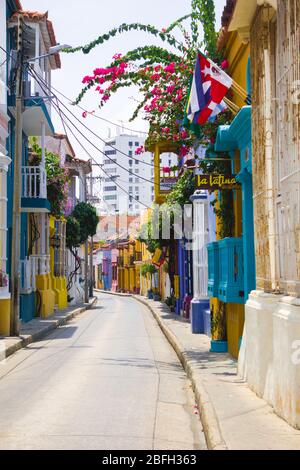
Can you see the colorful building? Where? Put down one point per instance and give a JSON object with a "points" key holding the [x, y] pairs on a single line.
{"points": [[7, 8], [269, 358], [34, 248], [232, 259]]}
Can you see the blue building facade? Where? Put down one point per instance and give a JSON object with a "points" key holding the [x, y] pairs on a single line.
{"points": [[36, 121], [232, 261]]}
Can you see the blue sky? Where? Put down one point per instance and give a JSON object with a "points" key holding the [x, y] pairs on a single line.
{"points": [[76, 22]]}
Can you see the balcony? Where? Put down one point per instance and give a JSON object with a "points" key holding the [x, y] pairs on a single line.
{"points": [[42, 263], [138, 256], [213, 269], [164, 177], [35, 265], [37, 106], [226, 270], [34, 190], [28, 276]]}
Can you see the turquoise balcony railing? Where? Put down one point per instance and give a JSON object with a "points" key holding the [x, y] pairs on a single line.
{"points": [[213, 269], [226, 270]]}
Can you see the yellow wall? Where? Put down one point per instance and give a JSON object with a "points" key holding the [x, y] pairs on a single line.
{"points": [[59, 284], [157, 150], [237, 55], [5, 317]]}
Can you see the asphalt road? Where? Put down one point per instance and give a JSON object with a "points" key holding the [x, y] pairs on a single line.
{"points": [[107, 380]]}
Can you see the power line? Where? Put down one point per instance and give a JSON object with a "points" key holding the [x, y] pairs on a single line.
{"points": [[90, 130], [82, 146], [86, 138], [3, 63], [83, 109], [65, 125], [96, 115]]}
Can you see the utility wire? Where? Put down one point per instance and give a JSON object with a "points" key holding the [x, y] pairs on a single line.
{"points": [[90, 130], [3, 63], [65, 125], [96, 115], [86, 138], [83, 109], [93, 159]]}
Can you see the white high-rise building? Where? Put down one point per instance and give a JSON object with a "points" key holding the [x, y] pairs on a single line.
{"points": [[120, 150]]}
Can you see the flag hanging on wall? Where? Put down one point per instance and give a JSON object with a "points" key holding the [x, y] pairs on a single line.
{"points": [[208, 89]]}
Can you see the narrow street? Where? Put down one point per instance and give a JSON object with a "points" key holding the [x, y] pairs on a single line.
{"points": [[107, 380]]}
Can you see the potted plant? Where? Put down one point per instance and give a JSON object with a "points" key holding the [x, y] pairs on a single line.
{"points": [[152, 270], [146, 270], [157, 297], [219, 343], [171, 302]]}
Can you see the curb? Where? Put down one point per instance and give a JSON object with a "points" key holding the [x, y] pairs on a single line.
{"points": [[25, 340], [118, 294], [207, 411]]}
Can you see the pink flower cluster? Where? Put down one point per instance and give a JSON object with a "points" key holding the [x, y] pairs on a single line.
{"points": [[225, 64], [140, 150], [184, 151], [103, 75]]}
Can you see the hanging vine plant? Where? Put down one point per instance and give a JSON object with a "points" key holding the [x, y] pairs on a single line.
{"points": [[182, 190], [162, 74], [57, 178]]}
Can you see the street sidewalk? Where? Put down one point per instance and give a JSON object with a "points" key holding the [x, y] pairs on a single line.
{"points": [[38, 328], [232, 415]]}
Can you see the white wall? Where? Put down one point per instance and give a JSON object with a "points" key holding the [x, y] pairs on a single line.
{"points": [[117, 198]]}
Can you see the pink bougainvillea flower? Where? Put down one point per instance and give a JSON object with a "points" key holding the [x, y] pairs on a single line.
{"points": [[117, 56], [105, 97], [140, 150], [164, 30], [156, 91], [87, 79], [170, 89], [225, 64], [84, 114], [184, 134], [170, 68], [155, 77], [166, 169], [184, 151]]}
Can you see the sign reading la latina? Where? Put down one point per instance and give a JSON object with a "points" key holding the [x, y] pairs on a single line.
{"points": [[217, 182]]}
